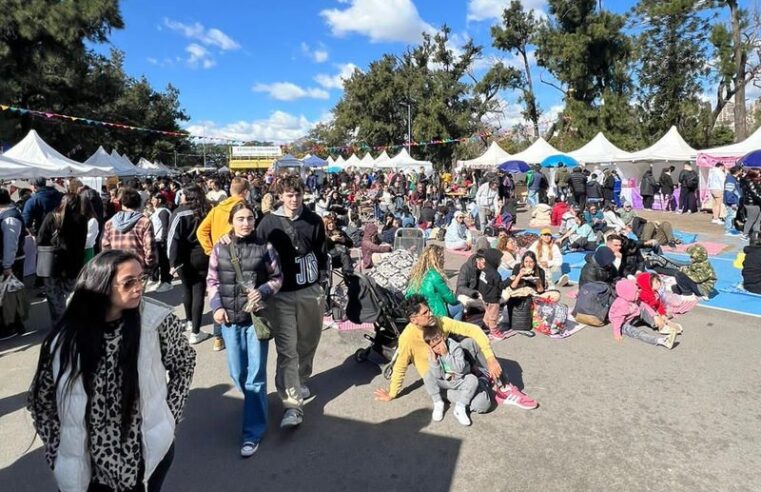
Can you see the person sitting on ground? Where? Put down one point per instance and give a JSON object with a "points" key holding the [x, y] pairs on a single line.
{"points": [[627, 214], [406, 217], [579, 236], [751, 268], [655, 233], [541, 216], [338, 244], [649, 285], [427, 214], [612, 220], [448, 370], [427, 278], [490, 286], [568, 220], [549, 257], [458, 237], [467, 283], [511, 254], [627, 315], [412, 349], [700, 270], [595, 218], [559, 209], [372, 248], [599, 267], [388, 231]]}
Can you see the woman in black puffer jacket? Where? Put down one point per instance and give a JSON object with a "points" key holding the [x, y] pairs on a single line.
{"points": [[751, 185]]}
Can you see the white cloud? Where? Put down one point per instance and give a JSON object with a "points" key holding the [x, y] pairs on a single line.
{"points": [[288, 91], [279, 127], [166, 62], [380, 20], [479, 10], [318, 55], [336, 81], [198, 56], [209, 37]]}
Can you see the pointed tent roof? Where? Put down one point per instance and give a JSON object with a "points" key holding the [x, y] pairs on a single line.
{"points": [[352, 161], [34, 151], [493, 157], [126, 165], [103, 160], [671, 147], [367, 162], [536, 152], [599, 150], [287, 161], [340, 162], [381, 159], [330, 161], [404, 160], [738, 149], [15, 169], [153, 168], [314, 161]]}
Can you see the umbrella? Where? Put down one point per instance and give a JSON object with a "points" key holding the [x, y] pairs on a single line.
{"points": [[751, 160], [555, 160], [334, 170], [514, 167]]}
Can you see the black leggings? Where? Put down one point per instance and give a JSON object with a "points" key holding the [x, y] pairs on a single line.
{"points": [[193, 277], [163, 273], [684, 284]]}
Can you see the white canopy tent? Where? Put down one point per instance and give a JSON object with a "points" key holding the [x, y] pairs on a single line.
{"points": [[670, 148], [493, 157], [738, 149], [330, 160], [404, 161], [103, 160], [599, 150], [340, 162], [15, 169], [382, 159], [153, 168], [127, 165], [352, 161], [367, 162], [50, 163], [536, 152]]}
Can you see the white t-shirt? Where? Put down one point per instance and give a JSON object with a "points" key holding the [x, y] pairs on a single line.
{"points": [[216, 196]]}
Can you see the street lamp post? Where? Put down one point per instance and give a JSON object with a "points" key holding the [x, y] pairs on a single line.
{"points": [[408, 103]]}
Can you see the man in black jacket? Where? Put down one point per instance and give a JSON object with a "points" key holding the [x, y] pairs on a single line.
{"points": [[467, 283], [578, 184], [44, 200], [751, 271], [600, 267], [298, 236]]}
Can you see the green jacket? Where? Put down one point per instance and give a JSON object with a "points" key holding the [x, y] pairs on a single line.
{"points": [[436, 291], [700, 270]]}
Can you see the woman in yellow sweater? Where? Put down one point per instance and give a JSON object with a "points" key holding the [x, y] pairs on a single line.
{"points": [[412, 349]]}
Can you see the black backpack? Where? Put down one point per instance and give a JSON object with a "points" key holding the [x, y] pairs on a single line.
{"points": [[593, 303]]}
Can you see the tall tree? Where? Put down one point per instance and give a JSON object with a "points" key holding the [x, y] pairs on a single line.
{"points": [[672, 64], [587, 50], [738, 53], [514, 36]]}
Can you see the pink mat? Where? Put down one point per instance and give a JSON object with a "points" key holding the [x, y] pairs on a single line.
{"points": [[349, 326], [713, 249]]}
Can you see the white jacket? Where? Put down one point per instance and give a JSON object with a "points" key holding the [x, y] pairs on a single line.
{"points": [[716, 179], [72, 468], [487, 198]]}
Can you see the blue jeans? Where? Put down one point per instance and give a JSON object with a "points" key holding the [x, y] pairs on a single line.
{"points": [[456, 311], [533, 198], [729, 220], [247, 360]]}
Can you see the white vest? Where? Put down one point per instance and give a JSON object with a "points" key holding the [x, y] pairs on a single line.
{"points": [[72, 464]]}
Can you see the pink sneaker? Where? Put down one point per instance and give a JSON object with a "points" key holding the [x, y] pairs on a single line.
{"points": [[510, 395]]}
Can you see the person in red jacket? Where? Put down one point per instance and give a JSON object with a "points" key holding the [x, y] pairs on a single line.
{"points": [[649, 284], [558, 209]]}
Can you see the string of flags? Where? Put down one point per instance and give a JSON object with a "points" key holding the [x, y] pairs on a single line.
{"points": [[233, 141]]}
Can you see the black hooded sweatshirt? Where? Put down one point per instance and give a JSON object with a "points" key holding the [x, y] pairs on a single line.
{"points": [[490, 283]]}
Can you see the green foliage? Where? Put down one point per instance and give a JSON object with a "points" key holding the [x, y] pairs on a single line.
{"points": [[447, 102], [45, 65]]}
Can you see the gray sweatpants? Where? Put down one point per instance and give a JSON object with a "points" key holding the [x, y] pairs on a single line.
{"points": [[297, 326], [482, 401], [460, 390], [643, 333]]}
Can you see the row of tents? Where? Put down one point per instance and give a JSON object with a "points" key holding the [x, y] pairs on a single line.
{"points": [[401, 161], [32, 157]]}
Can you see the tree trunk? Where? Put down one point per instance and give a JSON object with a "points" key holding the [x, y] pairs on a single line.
{"points": [[741, 130], [534, 113]]}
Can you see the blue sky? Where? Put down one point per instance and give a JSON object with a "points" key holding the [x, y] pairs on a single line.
{"points": [[271, 70]]}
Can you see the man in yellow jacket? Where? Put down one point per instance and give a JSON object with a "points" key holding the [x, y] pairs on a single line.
{"points": [[215, 225], [412, 348]]}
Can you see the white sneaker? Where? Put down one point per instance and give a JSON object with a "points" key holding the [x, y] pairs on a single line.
{"points": [[438, 411], [188, 325], [164, 287], [196, 338], [248, 449], [717, 221], [562, 281], [461, 414], [291, 418]]}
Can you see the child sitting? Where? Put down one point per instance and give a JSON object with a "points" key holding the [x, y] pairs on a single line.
{"points": [[700, 270], [627, 316], [448, 369], [490, 286]]}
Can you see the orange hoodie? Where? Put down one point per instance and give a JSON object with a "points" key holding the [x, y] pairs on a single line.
{"points": [[216, 224]]}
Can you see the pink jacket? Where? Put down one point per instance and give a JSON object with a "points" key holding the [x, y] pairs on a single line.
{"points": [[626, 307]]}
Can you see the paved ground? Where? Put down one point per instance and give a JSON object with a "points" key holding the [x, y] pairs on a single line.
{"points": [[613, 416]]}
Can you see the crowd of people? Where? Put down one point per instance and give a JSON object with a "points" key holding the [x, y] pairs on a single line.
{"points": [[261, 248]]}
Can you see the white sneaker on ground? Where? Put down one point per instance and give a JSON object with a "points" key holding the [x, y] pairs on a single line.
{"points": [[291, 418], [248, 449], [188, 325], [438, 411], [164, 287], [461, 414], [562, 281], [196, 338]]}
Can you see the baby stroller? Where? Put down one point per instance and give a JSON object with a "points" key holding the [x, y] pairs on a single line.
{"points": [[368, 302], [409, 239]]}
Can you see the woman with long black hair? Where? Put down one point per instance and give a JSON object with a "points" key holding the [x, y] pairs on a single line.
{"points": [[111, 382], [187, 258], [66, 229]]}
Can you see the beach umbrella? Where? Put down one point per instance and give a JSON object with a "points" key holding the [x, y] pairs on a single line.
{"points": [[334, 169], [751, 160], [556, 160], [514, 167]]}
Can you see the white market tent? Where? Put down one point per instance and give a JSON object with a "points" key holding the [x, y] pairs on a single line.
{"points": [[367, 162], [352, 161], [493, 157], [404, 160], [536, 152], [381, 160], [599, 150], [14, 169], [670, 148], [103, 160], [738, 149], [330, 160], [127, 165], [340, 162], [34, 151], [153, 168]]}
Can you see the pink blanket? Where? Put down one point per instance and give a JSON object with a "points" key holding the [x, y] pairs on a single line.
{"points": [[713, 249]]}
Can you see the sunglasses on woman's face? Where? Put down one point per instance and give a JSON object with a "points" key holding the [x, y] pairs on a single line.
{"points": [[133, 282]]}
